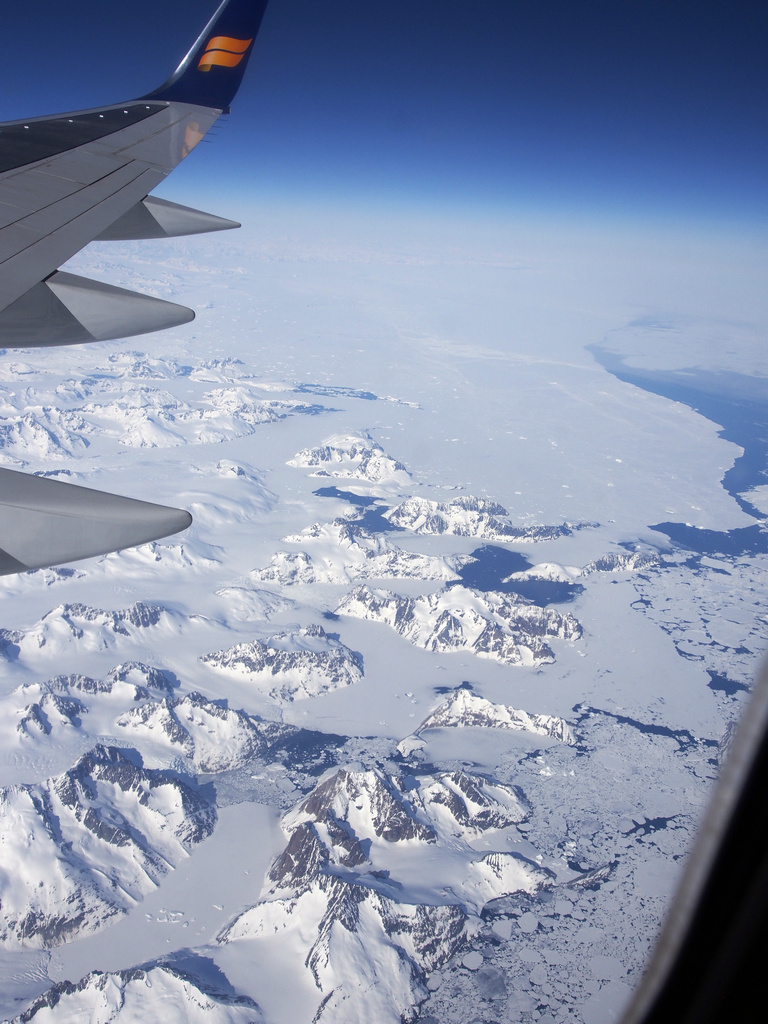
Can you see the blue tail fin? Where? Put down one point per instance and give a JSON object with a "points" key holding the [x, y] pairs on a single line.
{"points": [[210, 74]]}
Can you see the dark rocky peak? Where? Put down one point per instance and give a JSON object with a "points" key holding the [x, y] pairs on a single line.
{"points": [[76, 681], [52, 708], [367, 798], [476, 802], [302, 860], [470, 503]]}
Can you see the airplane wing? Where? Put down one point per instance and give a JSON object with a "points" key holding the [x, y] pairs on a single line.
{"points": [[74, 178]]}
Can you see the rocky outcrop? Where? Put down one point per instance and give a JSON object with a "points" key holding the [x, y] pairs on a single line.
{"points": [[465, 710], [140, 994], [292, 665], [351, 457], [467, 516], [86, 845], [214, 737], [625, 561], [504, 627]]}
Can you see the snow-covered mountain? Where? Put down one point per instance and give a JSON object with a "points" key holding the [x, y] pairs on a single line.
{"points": [[352, 457], [503, 627], [128, 682], [79, 627], [42, 433], [365, 952], [467, 516], [624, 561], [85, 846], [211, 736], [134, 404], [140, 995], [93, 629], [550, 571], [357, 823], [344, 551], [292, 665], [466, 710], [251, 604], [379, 884], [135, 705], [186, 556], [96, 629]]}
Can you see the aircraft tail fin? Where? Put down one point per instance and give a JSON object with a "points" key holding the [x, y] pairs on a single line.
{"points": [[210, 74]]}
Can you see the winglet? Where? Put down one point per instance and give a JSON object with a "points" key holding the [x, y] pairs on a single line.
{"points": [[210, 74]]}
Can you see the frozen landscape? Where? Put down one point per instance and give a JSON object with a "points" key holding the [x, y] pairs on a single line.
{"points": [[417, 720]]}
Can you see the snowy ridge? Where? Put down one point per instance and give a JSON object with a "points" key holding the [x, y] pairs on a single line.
{"points": [[546, 571], [129, 404], [186, 556], [464, 710], [101, 835], [212, 736], [358, 820], [138, 996], [38, 578], [289, 568], [348, 897], [292, 665], [130, 681], [42, 433], [366, 953], [630, 561], [467, 516], [352, 457], [343, 552], [146, 417], [236, 470], [135, 703], [251, 604], [503, 627], [95, 629], [213, 371]]}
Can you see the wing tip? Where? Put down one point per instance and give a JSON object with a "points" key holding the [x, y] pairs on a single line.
{"points": [[211, 72], [46, 522]]}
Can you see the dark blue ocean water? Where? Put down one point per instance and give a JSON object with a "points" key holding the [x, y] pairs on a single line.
{"points": [[739, 405], [371, 509], [493, 564]]}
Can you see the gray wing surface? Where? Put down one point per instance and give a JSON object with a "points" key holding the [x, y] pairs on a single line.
{"points": [[53, 207], [68, 180], [44, 522]]}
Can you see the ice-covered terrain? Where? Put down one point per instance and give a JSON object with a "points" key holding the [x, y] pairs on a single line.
{"points": [[468, 516], [344, 550], [353, 457], [290, 666], [134, 995], [347, 897], [466, 710], [417, 720], [491, 625], [86, 845]]}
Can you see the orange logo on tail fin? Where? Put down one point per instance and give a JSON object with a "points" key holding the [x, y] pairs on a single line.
{"points": [[224, 51]]}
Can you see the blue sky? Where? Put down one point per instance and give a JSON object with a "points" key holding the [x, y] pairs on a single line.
{"points": [[653, 109]]}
